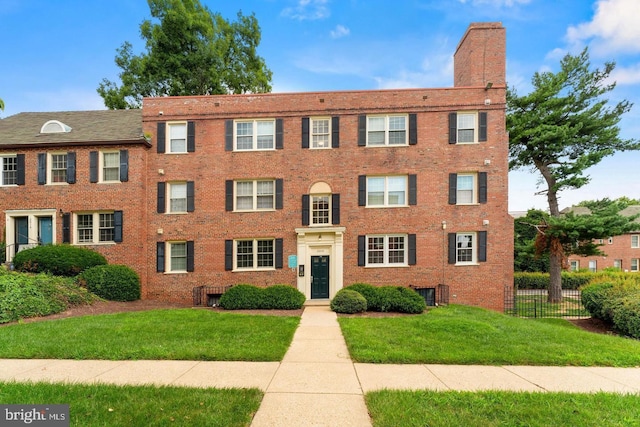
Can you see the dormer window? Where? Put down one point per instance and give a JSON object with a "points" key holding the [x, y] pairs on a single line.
{"points": [[55, 126]]}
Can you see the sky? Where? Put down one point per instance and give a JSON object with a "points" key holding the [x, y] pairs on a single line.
{"points": [[56, 53]]}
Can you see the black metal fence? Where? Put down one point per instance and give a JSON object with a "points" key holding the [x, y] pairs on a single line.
{"points": [[535, 303]]}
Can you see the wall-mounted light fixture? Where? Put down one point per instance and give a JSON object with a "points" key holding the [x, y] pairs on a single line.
{"points": [[444, 225], [488, 86]]}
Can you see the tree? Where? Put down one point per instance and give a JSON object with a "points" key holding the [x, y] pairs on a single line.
{"points": [[1, 104], [525, 256], [191, 51], [560, 129]]}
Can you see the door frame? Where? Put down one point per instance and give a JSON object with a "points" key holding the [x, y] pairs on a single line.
{"points": [[326, 270], [33, 222], [317, 241]]}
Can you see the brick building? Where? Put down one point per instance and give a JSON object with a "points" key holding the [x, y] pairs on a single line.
{"points": [[621, 252], [318, 190]]}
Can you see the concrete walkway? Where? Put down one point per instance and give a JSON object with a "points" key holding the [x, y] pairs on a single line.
{"points": [[317, 383]]}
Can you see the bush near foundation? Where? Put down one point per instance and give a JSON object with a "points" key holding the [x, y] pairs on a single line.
{"points": [[390, 298], [250, 297], [59, 260], [112, 282], [370, 293], [349, 302]]}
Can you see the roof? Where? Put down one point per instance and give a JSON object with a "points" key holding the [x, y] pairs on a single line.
{"points": [[631, 211], [87, 127]]}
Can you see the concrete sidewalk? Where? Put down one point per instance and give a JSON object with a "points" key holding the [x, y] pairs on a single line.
{"points": [[316, 383]]}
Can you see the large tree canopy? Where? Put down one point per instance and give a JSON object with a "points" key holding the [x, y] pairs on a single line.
{"points": [[189, 51], [563, 127]]}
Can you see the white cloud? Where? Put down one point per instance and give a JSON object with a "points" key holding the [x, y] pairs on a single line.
{"points": [[308, 10], [626, 75], [614, 28], [339, 31]]}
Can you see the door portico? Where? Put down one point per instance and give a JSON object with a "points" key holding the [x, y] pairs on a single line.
{"points": [[320, 249]]}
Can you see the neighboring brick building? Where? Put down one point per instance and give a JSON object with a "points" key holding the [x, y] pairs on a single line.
{"points": [[405, 187], [621, 252]]}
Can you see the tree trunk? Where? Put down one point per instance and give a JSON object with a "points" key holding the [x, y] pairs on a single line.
{"points": [[555, 272]]}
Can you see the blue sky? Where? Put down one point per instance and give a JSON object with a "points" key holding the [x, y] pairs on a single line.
{"points": [[55, 53]]}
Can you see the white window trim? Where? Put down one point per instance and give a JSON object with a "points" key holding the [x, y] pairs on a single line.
{"points": [[254, 135], [575, 265], [474, 195], [475, 127], [5, 156], [95, 228], [168, 251], [593, 266], [386, 191], [637, 265], [386, 262], [311, 134], [50, 167], [254, 254], [311, 211], [635, 244], [254, 202], [168, 209], [168, 137], [101, 167], [386, 130], [474, 248]]}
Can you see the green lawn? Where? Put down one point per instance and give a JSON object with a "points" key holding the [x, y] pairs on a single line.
{"points": [[178, 334], [468, 335], [496, 408], [113, 406]]}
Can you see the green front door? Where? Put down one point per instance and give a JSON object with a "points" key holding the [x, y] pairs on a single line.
{"points": [[320, 277], [22, 231]]}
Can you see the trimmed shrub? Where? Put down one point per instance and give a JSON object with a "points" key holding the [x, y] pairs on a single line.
{"points": [[541, 280], [112, 282], [400, 299], [59, 260], [349, 302], [282, 297], [594, 297], [626, 315], [370, 293], [241, 297]]}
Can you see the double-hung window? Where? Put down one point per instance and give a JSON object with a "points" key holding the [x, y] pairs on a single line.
{"points": [[178, 256], [255, 195], [467, 127], [320, 133], [58, 170], [255, 135], [467, 247], [254, 254], [635, 264], [177, 197], [175, 257], [97, 227], [386, 191], [111, 166], [575, 265], [386, 250], [466, 189], [9, 170], [635, 240], [177, 137], [320, 209], [386, 130]]}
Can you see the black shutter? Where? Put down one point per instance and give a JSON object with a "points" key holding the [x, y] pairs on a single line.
{"points": [[93, 166], [412, 249], [228, 135], [362, 250], [162, 204], [362, 130], [160, 257], [453, 128], [482, 246], [362, 190], [279, 253], [453, 188], [279, 134], [20, 169], [305, 132], [190, 250], [191, 206], [482, 126], [124, 165], [482, 187], [66, 227], [335, 209], [413, 129], [228, 195], [191, 137], [42, 168], [160, 138], [117, 226], [279, 194], [452, 248], [335, 132], [228, 255], [71, 167], [305, 209], [413, 190]]}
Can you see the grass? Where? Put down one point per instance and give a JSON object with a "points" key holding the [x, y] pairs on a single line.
{"points": [[178, 334], [538, 306], [495, 408], [107, 405], [468, 335]]}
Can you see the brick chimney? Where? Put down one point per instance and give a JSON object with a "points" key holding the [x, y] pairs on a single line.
{"points": [[480, 58]]}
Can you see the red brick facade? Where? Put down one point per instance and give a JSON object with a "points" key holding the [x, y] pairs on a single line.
{"points": [[405, 234]]}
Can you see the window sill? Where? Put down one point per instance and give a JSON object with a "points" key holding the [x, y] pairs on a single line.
{"points": [[109, 182], [94, 243], [387, 266], [254, 210], [251, 270], [387, 206], [176, 152], [387, 145], [176, 213], [176, 272], [9, 186], [466, 264]]}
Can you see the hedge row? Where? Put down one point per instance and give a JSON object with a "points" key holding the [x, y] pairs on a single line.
{"points": [[541, 280], [383, 299], [616, 300], [250, 297], [59, 260]]}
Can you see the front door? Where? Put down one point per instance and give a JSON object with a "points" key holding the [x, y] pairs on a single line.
{"points": [[22, 231], [45, 230], [320, 277]]}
